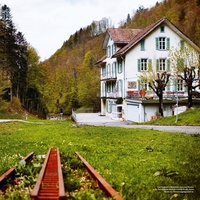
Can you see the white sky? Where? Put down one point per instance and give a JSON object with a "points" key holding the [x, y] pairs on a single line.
{"points": [[46, 24]]}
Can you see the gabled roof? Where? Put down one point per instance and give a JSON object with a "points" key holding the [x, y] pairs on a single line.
{"points": [[146, 31], [119, 35], [101, 60]]}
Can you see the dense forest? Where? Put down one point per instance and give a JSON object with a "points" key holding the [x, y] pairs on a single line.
{"points": [[69, 78]]}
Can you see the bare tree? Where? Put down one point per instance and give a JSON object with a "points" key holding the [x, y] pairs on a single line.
{"points": [[185, 63], [157, 81]]}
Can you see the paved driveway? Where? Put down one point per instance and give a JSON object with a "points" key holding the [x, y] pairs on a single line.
{"points": [[96, 120]]}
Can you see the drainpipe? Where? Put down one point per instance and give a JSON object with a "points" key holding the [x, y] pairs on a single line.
{"points": [[123, 95]]}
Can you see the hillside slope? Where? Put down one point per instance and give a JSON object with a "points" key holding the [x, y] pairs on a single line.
{"points": [[74, 82]]}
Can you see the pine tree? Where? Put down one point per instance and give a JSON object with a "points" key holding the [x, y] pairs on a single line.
{"points": [[14, 54]]}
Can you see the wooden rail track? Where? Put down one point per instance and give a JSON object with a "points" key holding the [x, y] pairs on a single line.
{"points": [[50, 184], [104, 186], [11, 172]]}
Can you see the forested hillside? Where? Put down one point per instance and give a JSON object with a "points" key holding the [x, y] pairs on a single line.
{"points": [[183, 13], [69, 78], [74, 78]]}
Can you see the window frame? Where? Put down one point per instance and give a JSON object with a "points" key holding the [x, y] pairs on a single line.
{"points": [[180, 85], [162, 43], [108, 53], [119, 67], [148, 64]]}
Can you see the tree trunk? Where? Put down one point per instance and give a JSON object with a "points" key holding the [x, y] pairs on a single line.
{"points": [[161, 105], [190, 104]]}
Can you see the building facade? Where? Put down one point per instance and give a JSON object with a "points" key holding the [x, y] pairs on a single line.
{"points": [[129, 53]]}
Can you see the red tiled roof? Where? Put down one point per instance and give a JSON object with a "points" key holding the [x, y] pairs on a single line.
{"points": [[122, 35], [100, 60], [139, 36]]}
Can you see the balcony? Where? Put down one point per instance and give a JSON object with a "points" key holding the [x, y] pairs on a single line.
{"points": [[112, 95], [108, 76]]}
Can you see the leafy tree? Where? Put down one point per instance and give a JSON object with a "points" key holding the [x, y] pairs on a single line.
{"points": [[185, 62], [34, 101], [157, 81], [88, 83]]}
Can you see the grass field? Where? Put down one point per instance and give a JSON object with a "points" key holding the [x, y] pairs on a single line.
{"points": [[140, 164], [189, 117]]}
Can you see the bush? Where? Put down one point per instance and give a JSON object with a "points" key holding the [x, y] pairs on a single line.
{"points": [[15, 106]]}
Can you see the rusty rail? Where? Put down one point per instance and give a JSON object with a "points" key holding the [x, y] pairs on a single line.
{"points": [[11, 172], [50, 184], [109, 191]]}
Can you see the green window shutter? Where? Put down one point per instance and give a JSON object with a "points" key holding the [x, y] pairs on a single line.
{"points": [[142, 45], [103, 88], [139, 65], [149, 64], [168, 43], [180, 62], [119, 67], [157, 64], [156, 43], [139, 85], [107, 101], [185, 88], [168, 86], [175, 85], [168, 65], [182, 44]]}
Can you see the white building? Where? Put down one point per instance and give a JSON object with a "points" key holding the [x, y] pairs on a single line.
{"points": [[129, 52]]}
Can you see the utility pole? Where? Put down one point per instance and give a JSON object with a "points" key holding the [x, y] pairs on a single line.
{"points": [[177, 101]]}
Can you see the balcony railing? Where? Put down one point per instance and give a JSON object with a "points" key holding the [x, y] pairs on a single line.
{"points": [[111, 94], [108, 76], [152, 95]]}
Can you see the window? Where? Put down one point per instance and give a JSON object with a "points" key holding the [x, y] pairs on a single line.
{"points": [[108, 87], [162, 29], [114, 70], [120, 67], [108, 51], [143, 85], [113, 49], [143, 64], [103, 71], [142, 45], [162, 64], [108, 71], [180, 85], [162, 43], [103, 91]]}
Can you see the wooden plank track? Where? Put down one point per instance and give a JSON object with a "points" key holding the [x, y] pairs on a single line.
{"points": [[11, 172], [50, 184], [109, 191]]}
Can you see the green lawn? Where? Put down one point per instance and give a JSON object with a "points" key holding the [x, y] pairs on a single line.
{"points": [[138, 163], [189, 117]]}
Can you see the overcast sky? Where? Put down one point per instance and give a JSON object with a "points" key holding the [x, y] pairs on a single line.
{"points": [[46, 24]]}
